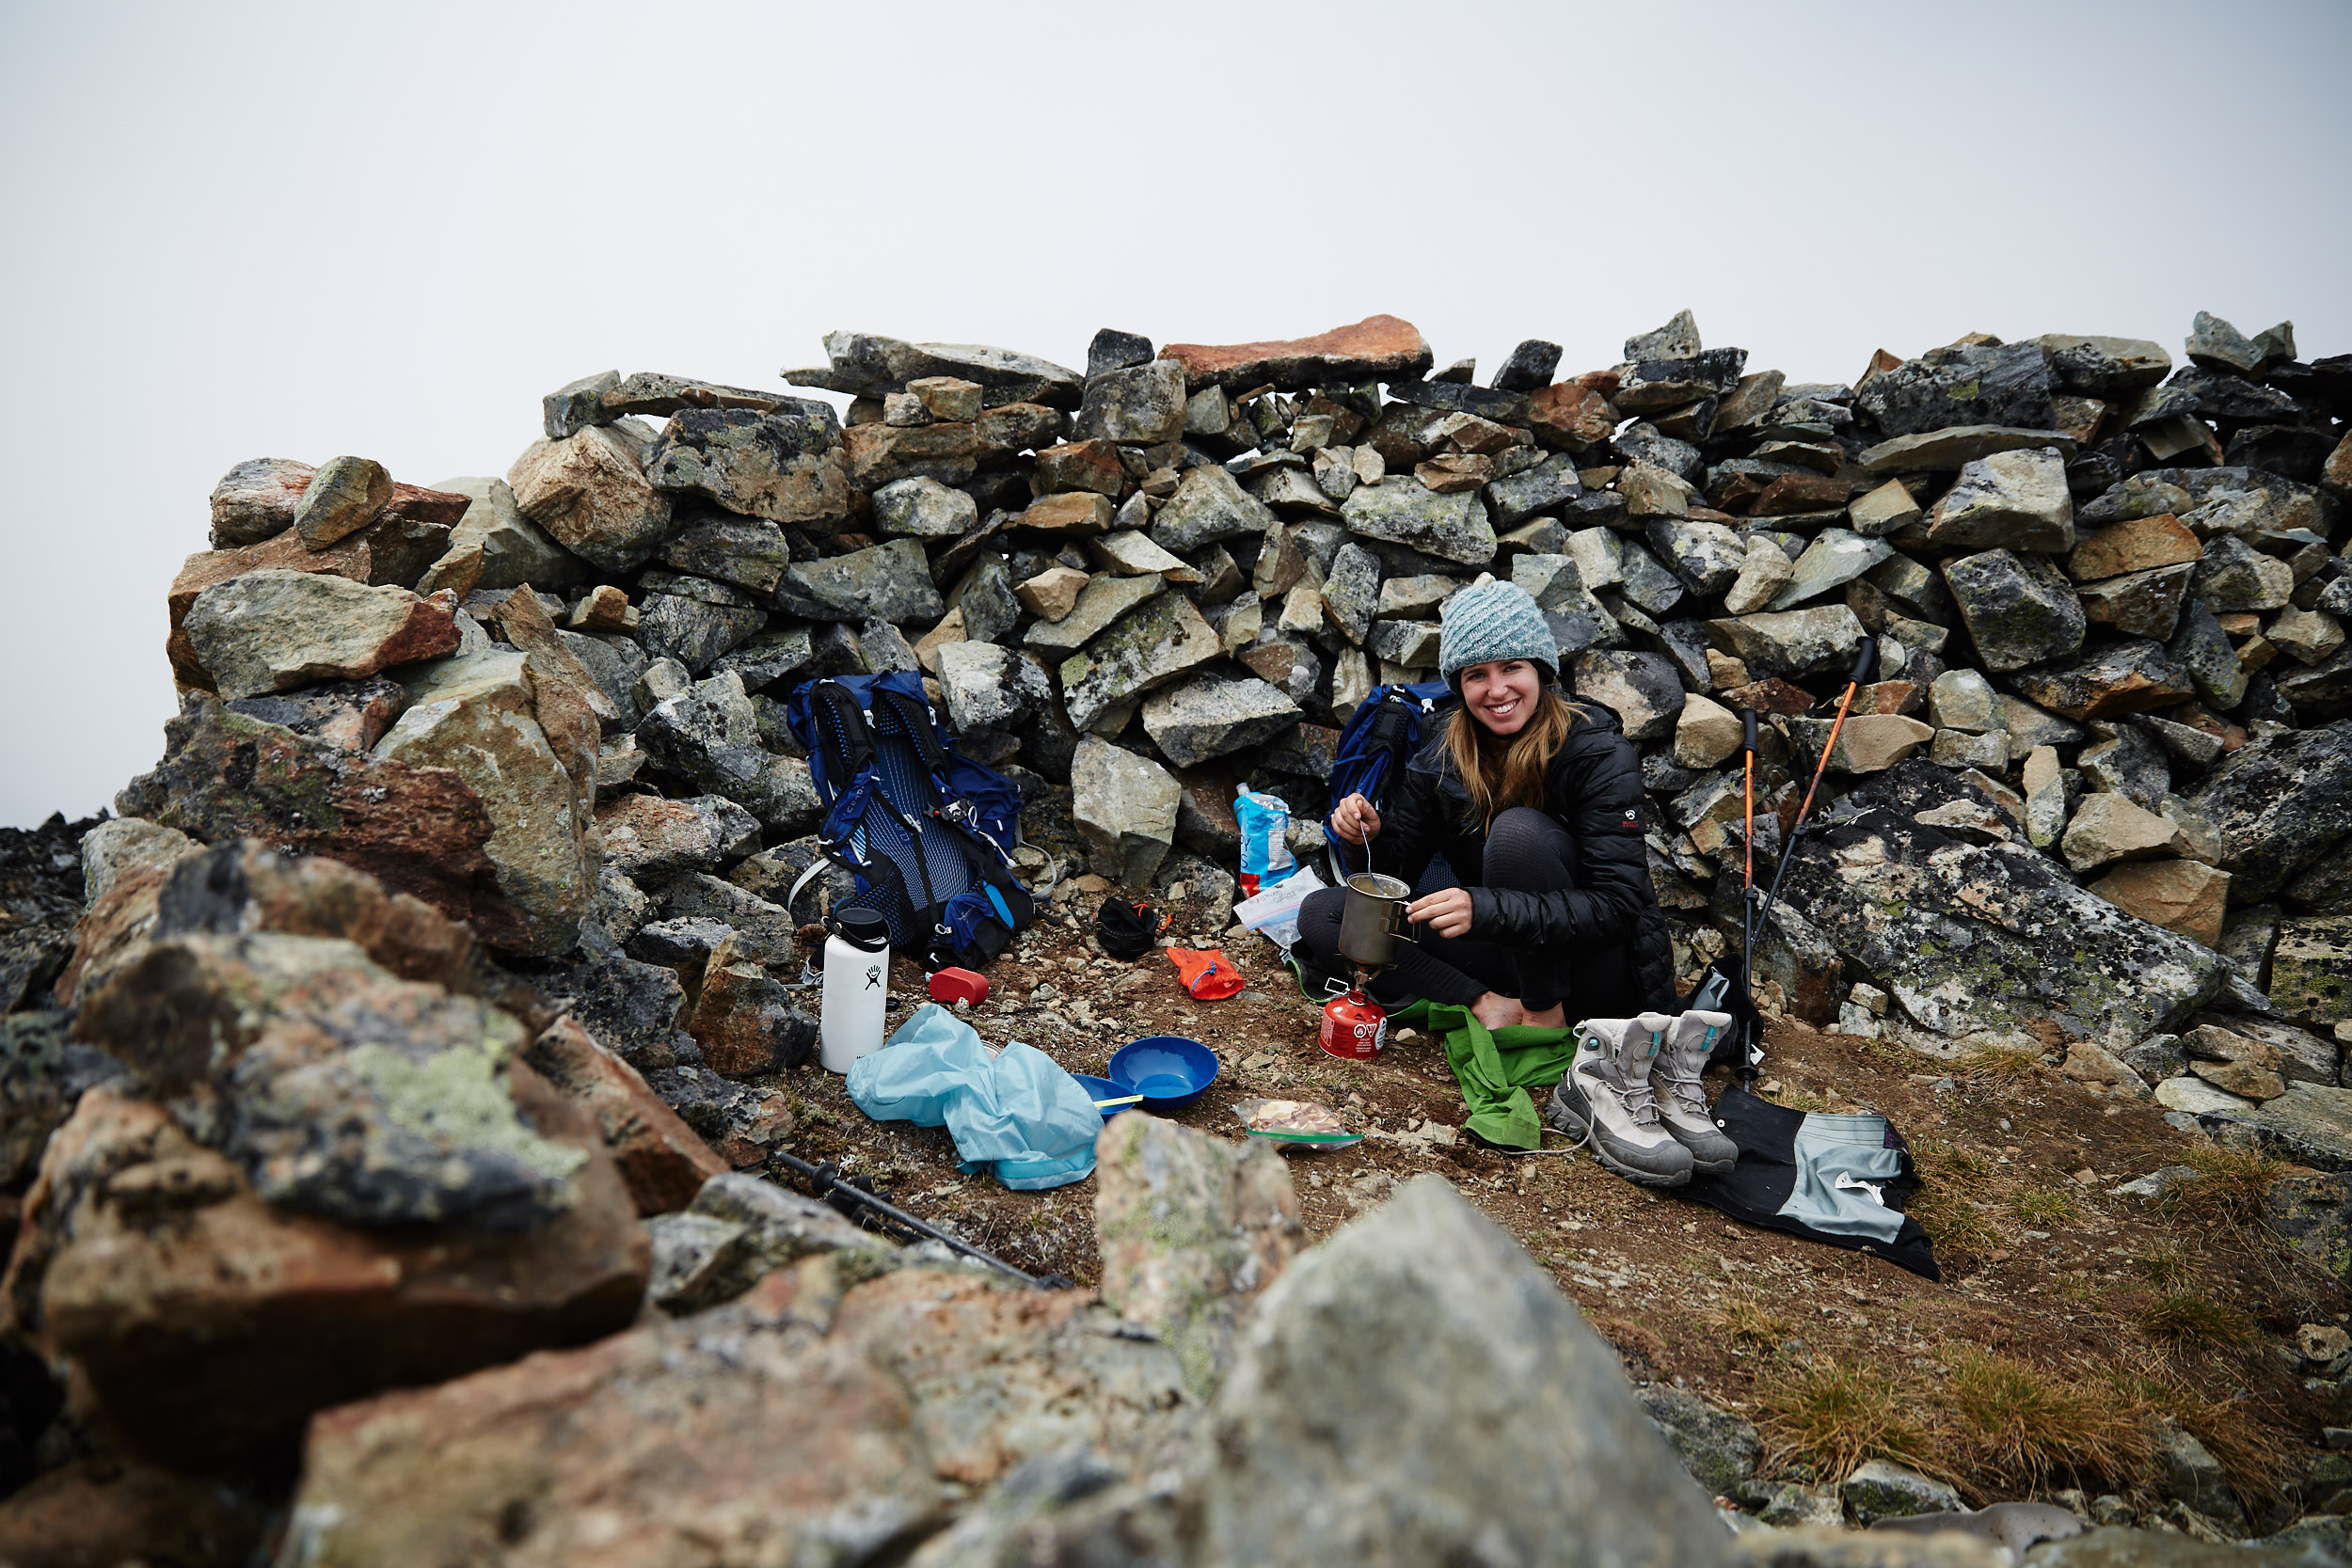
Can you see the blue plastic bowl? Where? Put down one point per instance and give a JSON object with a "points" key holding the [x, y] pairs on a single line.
{"points": [[1170, 1071], [1102, 1088]]}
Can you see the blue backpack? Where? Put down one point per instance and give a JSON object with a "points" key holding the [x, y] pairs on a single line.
{"points": [[926, 833], [1379, 739]]}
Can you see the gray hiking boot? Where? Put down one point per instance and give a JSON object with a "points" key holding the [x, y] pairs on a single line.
{"points": [[1682, 1100], [1606, 1101]]}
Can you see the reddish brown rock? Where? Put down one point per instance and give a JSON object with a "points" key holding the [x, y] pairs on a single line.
{"points": [[203, 1327], [1081, 466], [1379, 348], [1770, 695], [662, 1159], [2183, 895], [420, 830], [1575, 413], [2137, 545], [879, 455], [1076, 515], [1793, 493], [745, 1021], [528, 626], [102, 1511]]}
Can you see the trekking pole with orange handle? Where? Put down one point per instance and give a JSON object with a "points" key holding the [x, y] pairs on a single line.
{"points": [[1854, 682]]}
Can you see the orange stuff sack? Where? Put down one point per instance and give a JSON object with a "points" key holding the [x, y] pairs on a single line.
{"points": [[1207, 974]]}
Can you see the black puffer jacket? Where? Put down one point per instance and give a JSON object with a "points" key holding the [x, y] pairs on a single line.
{"points": [[1593, 789]]}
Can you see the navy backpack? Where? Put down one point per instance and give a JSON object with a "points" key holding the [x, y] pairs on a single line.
{"points": [[1379, 739], [926, 833]]}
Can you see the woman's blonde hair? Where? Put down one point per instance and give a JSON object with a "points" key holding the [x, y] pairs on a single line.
{"points": [[1499, 772]]}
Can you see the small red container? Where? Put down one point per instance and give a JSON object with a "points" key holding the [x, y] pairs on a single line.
{"points": [[1354, 1027], [952, 986]]}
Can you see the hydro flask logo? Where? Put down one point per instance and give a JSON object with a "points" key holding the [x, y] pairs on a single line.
{"points": [[873, 976]]}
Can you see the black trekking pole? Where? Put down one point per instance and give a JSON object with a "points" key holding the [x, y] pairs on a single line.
{"points": [[1854, 682], [829, 1183]]}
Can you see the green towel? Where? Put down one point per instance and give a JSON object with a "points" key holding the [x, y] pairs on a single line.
{"points": [[1496, 1069]]}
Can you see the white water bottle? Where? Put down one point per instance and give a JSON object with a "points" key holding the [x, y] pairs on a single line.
{"points": [[857, 985]]}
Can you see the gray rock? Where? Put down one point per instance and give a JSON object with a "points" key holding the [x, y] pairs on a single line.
{"points": [[867, 364], [1881, 1489], [275, 630], [1404, 511], [1835, 558], [1645, 582], [1327, 1446], [694, 633], [647, 837], [2235, 577], [1677, 339], [1719, 1448], [257, 500], [2121, 677], [2138, 604], [1961, 383], [1706, 556], [1791, 643], [2155, 1059], [1644, 442], [2029, 726], [515, 550], [787, 466], [923, 508], [1528, 369], [1207, 716], [762, 930], [2012, 500], [888, 582], [2130, 764], [1352, 592], [1412, 597], [1103, 600], [985, 595], [2019, 609], [1148, 647], [1412, 644], [1114, 350], [987, 687], [1208, 506], [1642, 690], [342, 498], [2279, 805], [766, 658], [1956, 448], [1125, 810], [2188, 1473], [1977, 942], [2309, 1125], [1964, 700], [1548, 484], [2216, 345], [1140, 405], [2104, 367], [709, 734]]}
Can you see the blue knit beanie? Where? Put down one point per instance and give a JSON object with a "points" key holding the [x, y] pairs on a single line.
{"points": [[1490, 622]]}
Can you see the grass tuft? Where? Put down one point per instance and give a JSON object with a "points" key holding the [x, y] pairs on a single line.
{"points": [[1951, 1180], [2249, 1441], [2046, 1207], [1834, 1415], [2185, 1320], [1750, 1326], [2166, 1265], [2024, 1426], [1998, 1065], [2231, 1187]]}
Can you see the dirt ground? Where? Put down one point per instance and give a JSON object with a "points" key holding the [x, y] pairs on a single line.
{"points": [[2042, 1269]]}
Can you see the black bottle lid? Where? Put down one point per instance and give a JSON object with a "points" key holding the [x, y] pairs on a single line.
{"points": [[865, 929]]}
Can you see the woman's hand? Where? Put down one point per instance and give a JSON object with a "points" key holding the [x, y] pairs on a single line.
{"points": [[1354, 820], [1446, 912]]}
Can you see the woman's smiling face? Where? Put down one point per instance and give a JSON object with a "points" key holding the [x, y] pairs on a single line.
{"points": [[1502, 695]]}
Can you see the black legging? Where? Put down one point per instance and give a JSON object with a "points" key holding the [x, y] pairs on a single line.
{"points": [[1526, 850]]}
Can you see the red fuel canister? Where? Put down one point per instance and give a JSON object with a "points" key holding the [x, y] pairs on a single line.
{"points": [[1354, 1027]]}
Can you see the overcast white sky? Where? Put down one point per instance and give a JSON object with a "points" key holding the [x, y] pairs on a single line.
{"points": [[231, 232]]}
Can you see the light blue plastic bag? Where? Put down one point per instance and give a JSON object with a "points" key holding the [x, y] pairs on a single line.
{"points": [[1018, 1112], [1265, 851]]}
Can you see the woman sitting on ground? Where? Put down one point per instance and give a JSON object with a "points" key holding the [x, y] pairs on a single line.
{"points": [[1537, 803]]}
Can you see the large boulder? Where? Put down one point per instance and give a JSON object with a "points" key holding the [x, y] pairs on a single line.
{"points": [[890, 582], [868, 364], [1791, 643], [2132, 677], [1507, 1434], [590, 492], [1208, 506], [989, 688], [1208, 717], [1975, 942], [1143, 650], [422, 830], [2019, 609], [277, 630], [784, 466], [804, 1423], [1404, 511], [394, 1200], [1192, 1230], [1125, 810], [1642, 690], [2278, 805], [2013, 500], [1964, 384], [710, 734], [526, 745]]}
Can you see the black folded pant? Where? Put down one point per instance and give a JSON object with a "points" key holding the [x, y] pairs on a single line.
{"points": [[1527, 851]]}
